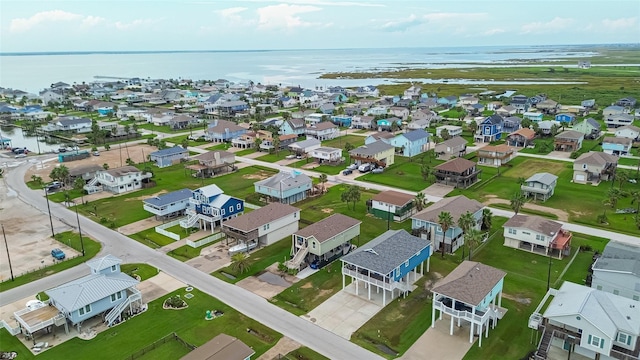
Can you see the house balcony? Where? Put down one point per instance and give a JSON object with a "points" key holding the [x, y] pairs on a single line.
{"points": [[240, 235], [618, 352], [377, 280], [465, 312], [494, 155], [194, 202], [535, 190], [562, 240]]}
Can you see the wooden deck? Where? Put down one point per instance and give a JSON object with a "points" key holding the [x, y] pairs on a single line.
{"points": [[38, 316]]}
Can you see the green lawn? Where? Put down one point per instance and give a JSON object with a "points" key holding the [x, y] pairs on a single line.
{"points": [[151, 238], [221, 146], [543, 146], [628, 161], [121, 341], [340, 141], [304, 353], [245, 152], [258, 260], [120, 210], [91, 248], [177, 140], [186, 252], [405, 173], [164, 128], [274, 157], [144, 271]]}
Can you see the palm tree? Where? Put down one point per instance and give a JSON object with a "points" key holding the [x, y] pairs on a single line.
{"points": [[472, 238], [36, 179], [185, 143], [487, 218], [445, 220], [240, 263], [78, 184], [425, 171], [622, 177], [517, 201], [419, 201], [352, 194], [466, 222], [613, 195], [323, 179], [257, 143], [635, 198], [276, 143]]}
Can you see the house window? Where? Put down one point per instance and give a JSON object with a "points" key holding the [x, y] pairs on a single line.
{"points": [[221, 211], [596, 341], [295, 215], [406, 263], [512, 231], [230, 209], [116, 296], [113, 268], [84, 310], [636, 297], [265, 227], [616, 292], [624, 338], [540, 237], [526, 233], [599, 287], [239, 206]]}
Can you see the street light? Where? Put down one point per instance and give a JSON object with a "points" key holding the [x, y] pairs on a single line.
{"points": [[79, 228], [6, 244]]}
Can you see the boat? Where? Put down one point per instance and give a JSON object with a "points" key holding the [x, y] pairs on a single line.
{"points": [[242, 247]]}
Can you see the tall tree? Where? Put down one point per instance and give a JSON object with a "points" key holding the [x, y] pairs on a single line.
{"points": [[240, 263], [425, 171], [466, 221], [419, 201], [487, 219], [472, 238], [351, 194], [517, 201], [257, 143], [622, 177], [78, 184], [36, 179], [445, 220], [276, 143], [323, 179], [635, 198]]}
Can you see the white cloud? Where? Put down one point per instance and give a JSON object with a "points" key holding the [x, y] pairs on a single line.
{"points": [[231, 11], [284, 16], [402, 24], [454, 17], [620, 24], [437, 21], [493, 31], [553, 25], [134, 24], [93, 20], [25, 24]]}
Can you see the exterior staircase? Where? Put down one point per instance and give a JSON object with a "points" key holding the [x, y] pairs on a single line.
{"points": [[93, 186], [115, 313], [545, 343], [298, 258], [191, 220]]}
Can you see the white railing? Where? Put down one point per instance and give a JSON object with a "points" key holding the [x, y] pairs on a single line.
{"points": [[297, 258], [369, 279], [13, 331], [115, 313], [205, 241], [477, 319], [194, 201], [189, 221], [31, 328], [161, 229]]}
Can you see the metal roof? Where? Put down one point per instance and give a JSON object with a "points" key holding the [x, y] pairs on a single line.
{"points": [[210, 190], [103, 262], [327, 228], [170, 151], [415, 135], [169, 198], [374, 148], [89, 289], [619, 257], [259, 217], [543, 178], [285, 180]]}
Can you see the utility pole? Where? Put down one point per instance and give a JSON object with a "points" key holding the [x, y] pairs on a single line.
{"points": [[46, 194], [6, 244], [79, 228], [549, 273]]}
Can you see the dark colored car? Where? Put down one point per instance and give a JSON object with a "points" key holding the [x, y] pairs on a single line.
{"points": [[347, 172], [58, 254]]}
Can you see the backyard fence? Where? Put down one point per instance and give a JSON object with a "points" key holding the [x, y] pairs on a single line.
{"points": [[160, 229], [13, 331], [158, 343], [207, 240], [41, 268]]}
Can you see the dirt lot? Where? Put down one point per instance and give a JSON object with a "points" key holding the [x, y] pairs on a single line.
{"points": [[28, 234], [137, 153]]}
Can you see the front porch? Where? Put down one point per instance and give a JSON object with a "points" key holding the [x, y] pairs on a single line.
{"points": [[536, 192], [459, 180]]}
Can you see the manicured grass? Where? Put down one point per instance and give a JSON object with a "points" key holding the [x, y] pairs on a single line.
{"points": [[170, 350], [527, 211], [177, 140], [144, 271], [340, 141], [328, 169], [628, 161], [543, 146], [221, 146], [273, 157], [186, 252], [245, 152], [405, 173], [258, 260], [121, 341], [304, 353], [127, 208], [179, 230], [151, 238], [164, 128], [91, 248]]}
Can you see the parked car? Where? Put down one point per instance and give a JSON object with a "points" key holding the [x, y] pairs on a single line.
{"points": [[21, 155], [57, 254], [377, 170], [289, 157], [347, 172], [352, 166], [96, 153], [364, 168]]}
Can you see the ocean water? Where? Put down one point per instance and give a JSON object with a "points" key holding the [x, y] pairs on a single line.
{"points": [[34, 71]]}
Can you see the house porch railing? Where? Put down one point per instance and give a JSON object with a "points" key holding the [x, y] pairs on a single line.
{"points": [[387, 285], [536, 190], [462, 314]]}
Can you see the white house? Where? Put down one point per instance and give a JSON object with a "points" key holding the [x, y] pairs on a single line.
{"points": [[629, 132], [327, 154], [314, 118], [537, 235], [323, 131], [617, 270], [265, 225], [377, 110], [118, 180], [588, 322], [453, 130]]}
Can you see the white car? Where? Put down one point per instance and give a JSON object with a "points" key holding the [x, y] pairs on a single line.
{"points": [[21, 156]]}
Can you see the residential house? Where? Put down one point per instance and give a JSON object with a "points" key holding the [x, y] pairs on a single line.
{"points": [[448, 101], [118, 180], [285, 187], [494, 105], [617, 270], [223, 131], [287, 102], [212, 163], [231, 108], [548, 106], [490, 129], [540, 186], [210, 205], [618, 120], [391, 205], [588, 322], [337, 98], [389, 262], [511, 124], [466, 100], [267, 143], [342, 120], [593, 167], [221, 347], [367, 91], [49, 96], [521, 103], [304, 147], [264, 226], [169, 205], [327, 155], [84, 172], [387, 124], [618, 146], [613, 110], [411, 143], [314, 118], [381, 135], [293, 126], [418, 124], [626, 102], [568, 141], [546, 126], [322, 242], [323, 131], [495, 155], [588, 104], [246, 140], [565, 118], [412, 92], [537, 235], [428, 103], [536, 99], [452, 130], [584, 64], [533, 116], [469, 293], [629, 131], [169, 156], [352, 110], [182, 122], [459, 172], [427, 222], [362, 122], [508, 110], [454, 147], [379, 153], [105, 290], [377, 111], [327, 108], [589, 127], [70, 124], [400, 112]]}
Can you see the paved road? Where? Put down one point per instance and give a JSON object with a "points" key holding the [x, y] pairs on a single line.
{"points": [[252, 305]]}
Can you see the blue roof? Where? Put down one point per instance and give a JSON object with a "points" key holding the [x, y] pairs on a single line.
{"points": [[416, 135], [169, 198], [169, 151]]}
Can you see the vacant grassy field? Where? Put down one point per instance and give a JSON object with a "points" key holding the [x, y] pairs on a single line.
{"points": [[125, 339], [304, 353], [186, 252], [340, 141], [405, 173]]}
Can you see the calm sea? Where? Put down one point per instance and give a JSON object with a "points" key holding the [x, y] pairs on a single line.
{"points": [[33, 72]]}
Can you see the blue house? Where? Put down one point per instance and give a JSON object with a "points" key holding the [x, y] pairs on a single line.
{"points": [[209, 205], [490, 129], [341, 120], [389, 263], [223, 131], [337, 98], [566, 118], [168, 205], [427, 221], [411, 143], [169, 156], [285, 187], [448, 101], [105, 289], [293, 126], [385, 124], [533, 116]]}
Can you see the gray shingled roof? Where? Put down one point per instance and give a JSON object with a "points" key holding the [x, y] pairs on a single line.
{"points": [[371, 149], [386, 252], [305, 143], [255, 219], [596, 158], [285, 180], [416, 135], [170, 151], [570, 134], [617, 140], [470, 282], [456, 206], [619, 257], [169, 198], [534, 223], [89, 289], [543, 178], [327, 228], [124, 170]]}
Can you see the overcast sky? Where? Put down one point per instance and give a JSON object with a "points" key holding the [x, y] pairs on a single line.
{"points": [[90, 25]]}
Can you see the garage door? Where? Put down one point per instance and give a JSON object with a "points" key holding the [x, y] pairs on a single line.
{"points": [[580, 177]]}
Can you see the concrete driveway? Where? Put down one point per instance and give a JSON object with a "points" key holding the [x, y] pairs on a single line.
{"points": [[344, 312], [439, 344]]}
